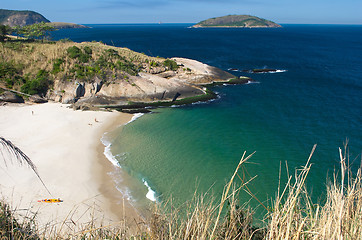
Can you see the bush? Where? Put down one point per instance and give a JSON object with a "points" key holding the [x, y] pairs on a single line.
{"points": [[39, 85], [4, 31], [76, 53], [56, 65], [87, 50], [170, 64], [10, 74]]}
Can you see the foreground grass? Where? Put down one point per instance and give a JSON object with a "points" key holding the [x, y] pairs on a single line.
{"points": [[293, 214]]}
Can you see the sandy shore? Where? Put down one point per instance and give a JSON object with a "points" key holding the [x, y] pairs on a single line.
{"points": [[66, 149]]}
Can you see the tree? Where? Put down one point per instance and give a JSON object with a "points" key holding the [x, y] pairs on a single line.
{"points": [[35, 31], [4, 30]]}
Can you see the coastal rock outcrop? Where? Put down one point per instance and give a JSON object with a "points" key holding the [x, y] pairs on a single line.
{"points": [[11, 97], [184, 82]]}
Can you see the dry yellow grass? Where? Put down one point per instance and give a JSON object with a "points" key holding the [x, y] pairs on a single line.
{"points": [[293, 216], [35, 56]]}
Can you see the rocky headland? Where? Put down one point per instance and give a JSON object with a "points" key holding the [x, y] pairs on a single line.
{"points": [[95, 74]]}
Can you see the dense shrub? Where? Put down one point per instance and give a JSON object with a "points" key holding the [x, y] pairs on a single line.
{"points": [[39, 85], [10, 74], [87, 50], [56, 65], [170, 64], [76, 53], [127, 67]]}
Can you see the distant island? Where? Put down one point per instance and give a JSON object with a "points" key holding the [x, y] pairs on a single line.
{"points": [[14, 18], [237, 21]]}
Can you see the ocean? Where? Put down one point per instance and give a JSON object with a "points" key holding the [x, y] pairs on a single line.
{"points": [[314, 98]]}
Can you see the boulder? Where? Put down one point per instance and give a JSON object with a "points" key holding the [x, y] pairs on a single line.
{"points": [[37, 99], [80, 90], [11, 97]]}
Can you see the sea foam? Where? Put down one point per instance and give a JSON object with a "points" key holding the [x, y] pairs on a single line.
{"points": [[151, 195], [135, 117]]}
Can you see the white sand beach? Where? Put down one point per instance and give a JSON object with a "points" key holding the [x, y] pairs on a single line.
{"points": [[65, 147]]}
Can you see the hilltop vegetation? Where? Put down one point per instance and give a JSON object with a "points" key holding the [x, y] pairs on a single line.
{"points": [[14, 18], [243, 21], [32, 67], [95, 73]]}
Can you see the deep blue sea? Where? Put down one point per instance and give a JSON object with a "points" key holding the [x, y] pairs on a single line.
{"points": [[317, 100]]}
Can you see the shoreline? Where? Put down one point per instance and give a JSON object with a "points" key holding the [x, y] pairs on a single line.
{"points": [[65, 146], [119, 203]]}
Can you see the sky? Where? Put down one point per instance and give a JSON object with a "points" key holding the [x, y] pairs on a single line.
{"points": [[191, 11]]}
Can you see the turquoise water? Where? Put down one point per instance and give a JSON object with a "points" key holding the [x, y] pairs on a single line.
{"points": [[317, 100]]}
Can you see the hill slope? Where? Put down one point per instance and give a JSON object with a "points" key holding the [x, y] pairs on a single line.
{"points": [[243, 21], [22, 18], [100, 74]]}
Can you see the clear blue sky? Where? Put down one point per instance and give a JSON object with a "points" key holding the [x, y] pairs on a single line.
{"points": [[191, 11]]}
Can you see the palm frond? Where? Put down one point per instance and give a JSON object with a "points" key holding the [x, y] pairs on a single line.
{"points": [[19, 156]]}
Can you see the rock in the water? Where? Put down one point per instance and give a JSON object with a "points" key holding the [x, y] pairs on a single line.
{"points": [[11, 97]]}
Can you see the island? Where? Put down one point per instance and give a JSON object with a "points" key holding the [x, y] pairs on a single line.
{"points": [[237, 21]]}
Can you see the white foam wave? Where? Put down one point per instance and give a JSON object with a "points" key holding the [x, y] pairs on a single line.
{"points": [[135, 117], [107, 152], [280, 71], [252, 82], [107, 144], [151, 195]]}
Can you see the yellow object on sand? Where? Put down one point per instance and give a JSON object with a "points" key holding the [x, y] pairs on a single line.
{"points": [[51, 200]]}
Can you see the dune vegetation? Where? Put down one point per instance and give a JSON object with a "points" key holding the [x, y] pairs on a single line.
{"points": [[292, 214]]}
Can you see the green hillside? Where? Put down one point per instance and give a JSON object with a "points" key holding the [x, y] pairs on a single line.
{"points": [[245, 21], [22, 18]]}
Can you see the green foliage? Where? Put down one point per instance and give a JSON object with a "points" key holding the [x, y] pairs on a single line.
{"points": [[154, 64], [17, 46], [35, 31], [56, 65], [112, 52], [128, 67], [76, 53], [4, 30], [10, 74], [170, 64], [87, 50], [39, 85]]}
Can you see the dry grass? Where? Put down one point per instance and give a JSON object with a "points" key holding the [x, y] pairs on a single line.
{"points": [[293, 216], [33, 56]]}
